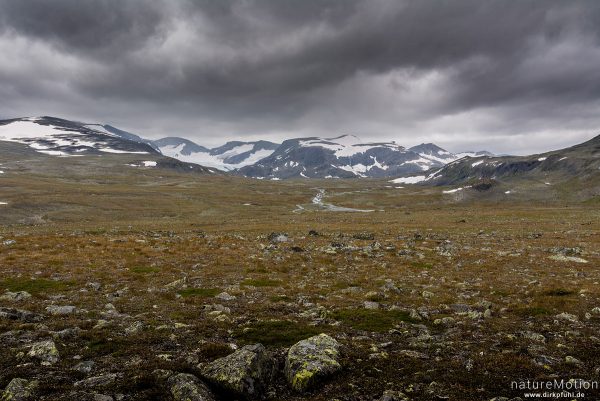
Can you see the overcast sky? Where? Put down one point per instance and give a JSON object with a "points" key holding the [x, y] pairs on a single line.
{"points": [[506, 76]]}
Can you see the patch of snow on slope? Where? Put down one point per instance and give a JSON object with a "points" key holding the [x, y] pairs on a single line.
{"points": [[149, 163], [409, 180], [478, 163], [451, 191], [44, 137], [110, 150], [216, 161]]}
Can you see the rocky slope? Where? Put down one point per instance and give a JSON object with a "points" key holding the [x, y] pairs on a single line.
{"points": [[580, 161]]}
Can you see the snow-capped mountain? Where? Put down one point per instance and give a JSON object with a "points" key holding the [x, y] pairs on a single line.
{"points": [[58, 137], [346, 157], [230, 156]]}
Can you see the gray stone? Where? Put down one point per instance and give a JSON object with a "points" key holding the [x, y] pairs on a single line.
{"points": [[97, 381], [84, 367], [311, 360], [186, 387], [246, 372], [19, 314], [135, 327], [19, 390], [45, 351], [371, 305], [225, 297], [94, 286], [60, 310], [15, 296]]}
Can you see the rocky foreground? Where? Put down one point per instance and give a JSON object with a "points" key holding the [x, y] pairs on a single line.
{"points": [[455, 313]]}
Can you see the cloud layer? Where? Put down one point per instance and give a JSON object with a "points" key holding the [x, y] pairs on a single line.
{"points": [[512, 77]]}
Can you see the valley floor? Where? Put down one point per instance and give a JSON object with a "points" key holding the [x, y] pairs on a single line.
{"points": [[135, 277]]}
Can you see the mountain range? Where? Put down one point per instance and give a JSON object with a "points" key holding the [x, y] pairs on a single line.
{"points": [[344, 156]]}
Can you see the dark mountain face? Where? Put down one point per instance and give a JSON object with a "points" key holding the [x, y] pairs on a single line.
{"points": [[581, 161], [128, 136], [187, 147]]}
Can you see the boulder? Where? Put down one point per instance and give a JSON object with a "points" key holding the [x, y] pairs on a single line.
{"points": [[311, 360], [19, 314], [97, 381], [186, 387], [15, 296], [246, 372], [19, 390], [45, 351]]}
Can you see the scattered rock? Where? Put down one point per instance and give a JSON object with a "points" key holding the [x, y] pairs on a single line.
{"points": [[94, 286], [278, 237], [563, 258], [445, 321], [371, 305], [311, 360], [364, 236], [536, 337], [19, 390], [216, 308], [225, 297], [84, 367], [568, 317], [45, 351], [71, 332], [389, 395], [135, 327], [186, 387], [569, 360], [60, 310], [97, 381], [19, 314], [246, 372], [389, 286], [177, 284], [15, 296]]}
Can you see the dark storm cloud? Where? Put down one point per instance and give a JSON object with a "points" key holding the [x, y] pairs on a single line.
{"points": [[468, 72]]}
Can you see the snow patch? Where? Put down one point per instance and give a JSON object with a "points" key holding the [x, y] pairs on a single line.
{"points": [[409, 180], [451, 191]]}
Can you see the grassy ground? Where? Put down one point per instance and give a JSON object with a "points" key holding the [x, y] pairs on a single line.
{"points": [[433, 265]]}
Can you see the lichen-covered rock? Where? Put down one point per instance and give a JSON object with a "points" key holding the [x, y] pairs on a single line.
{"points": [[45, 351], [97, 381], [246, 372], [186, 387], [17, 296], [19, 390], [19, 314], [311, 360]]}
